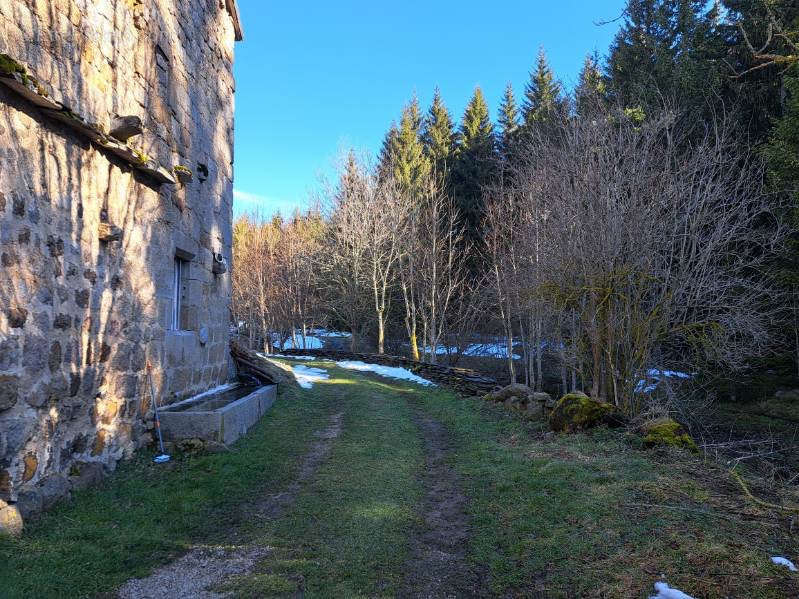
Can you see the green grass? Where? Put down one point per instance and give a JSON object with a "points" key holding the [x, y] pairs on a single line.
{"points": [[571, 516], [346, 536], [561, 516], [146, 514]]}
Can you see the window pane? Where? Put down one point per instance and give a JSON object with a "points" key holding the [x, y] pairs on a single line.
{"points": [[176, 295]]}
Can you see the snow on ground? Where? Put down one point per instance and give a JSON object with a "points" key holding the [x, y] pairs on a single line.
{"points": [[489, 350], [664, 591], [326, 333], [655, 375], [287, 357], [393, 372], [306, 376], [482, 350], [310, 342], [781, 561]]}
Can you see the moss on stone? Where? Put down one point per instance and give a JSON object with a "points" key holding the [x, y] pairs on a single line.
{"points": [[141, 157], [9, 66], [179, 168], [665, 431], [576, 411]]}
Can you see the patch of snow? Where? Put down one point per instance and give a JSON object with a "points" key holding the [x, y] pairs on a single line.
{"points": [[441, 350], [310, 342], [287, 357], [307, 376], [664, 591], [394, 372], [654, 372], [489, 350], [782, 561], [482, 350], [326, 333], [654, 377]]}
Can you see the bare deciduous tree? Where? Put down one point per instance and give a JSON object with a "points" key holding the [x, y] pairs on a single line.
{"points": [[657, 248]]}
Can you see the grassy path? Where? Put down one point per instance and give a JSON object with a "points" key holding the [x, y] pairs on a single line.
{"points": [[525, 512]]}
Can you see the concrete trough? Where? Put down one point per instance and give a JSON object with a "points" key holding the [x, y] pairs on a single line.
{"points": [[222, 416]]}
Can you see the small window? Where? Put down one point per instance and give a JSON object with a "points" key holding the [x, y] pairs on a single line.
{"points": [[180, 272]]}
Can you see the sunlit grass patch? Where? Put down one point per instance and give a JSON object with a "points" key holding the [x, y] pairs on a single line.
{"points": [[145, 514]]}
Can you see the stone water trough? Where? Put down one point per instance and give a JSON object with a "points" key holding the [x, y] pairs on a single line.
{"points": [[221, 415]]}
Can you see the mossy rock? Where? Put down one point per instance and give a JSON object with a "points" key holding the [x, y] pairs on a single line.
{"points": [[665, 431], [578, 412]]}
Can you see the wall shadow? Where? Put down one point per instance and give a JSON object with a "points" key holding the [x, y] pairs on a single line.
{"points": [[80, 317]]}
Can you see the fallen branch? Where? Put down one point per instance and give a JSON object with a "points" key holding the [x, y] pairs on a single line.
{"points": [[760, 502]]}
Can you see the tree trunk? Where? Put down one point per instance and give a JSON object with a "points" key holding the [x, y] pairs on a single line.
{"points": [[538, 352], [381, 334], [414, 345]]}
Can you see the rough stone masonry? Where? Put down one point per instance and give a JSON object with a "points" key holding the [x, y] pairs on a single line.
{"points": [[116, 190]]}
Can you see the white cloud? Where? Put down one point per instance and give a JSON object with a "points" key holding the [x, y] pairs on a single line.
{"points": [[246, 202]]}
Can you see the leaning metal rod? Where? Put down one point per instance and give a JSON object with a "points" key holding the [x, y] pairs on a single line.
{"points": [[164, 457]]}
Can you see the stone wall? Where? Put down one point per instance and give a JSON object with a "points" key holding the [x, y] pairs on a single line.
{"points": [[462, 380], [83, 310]]}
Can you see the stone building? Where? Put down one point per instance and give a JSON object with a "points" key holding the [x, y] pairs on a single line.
{"points": [[116, 191]]}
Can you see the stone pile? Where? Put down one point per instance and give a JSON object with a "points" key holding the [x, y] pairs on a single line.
{"points": [[522, 399]]}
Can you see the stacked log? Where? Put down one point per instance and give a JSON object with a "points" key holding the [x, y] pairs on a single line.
{"points": [[267, 371]]}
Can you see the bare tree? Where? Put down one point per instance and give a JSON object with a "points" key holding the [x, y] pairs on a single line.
{"points": [[657, 249], [346, 277], [441, 269], [275, 282]]}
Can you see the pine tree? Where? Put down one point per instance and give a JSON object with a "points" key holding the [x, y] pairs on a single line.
{"points": [[476, 163], [438, 137], [759, 94], [542, 97], [590, 90], [388, 152], [782, 150], [667, 49], [411, 165], [508, 123], [350, 178]]}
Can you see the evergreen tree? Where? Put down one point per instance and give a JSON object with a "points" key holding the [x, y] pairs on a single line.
{"points": [[476, 163], [411, 165], [759, 94], [666, 49], [388, 151], [590, 90], [542, 97], [781, 153], [438, 137], [350, 178], [508, 123]]}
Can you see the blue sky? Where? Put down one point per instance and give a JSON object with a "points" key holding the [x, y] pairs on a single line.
{"points": [[316, 78]]}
